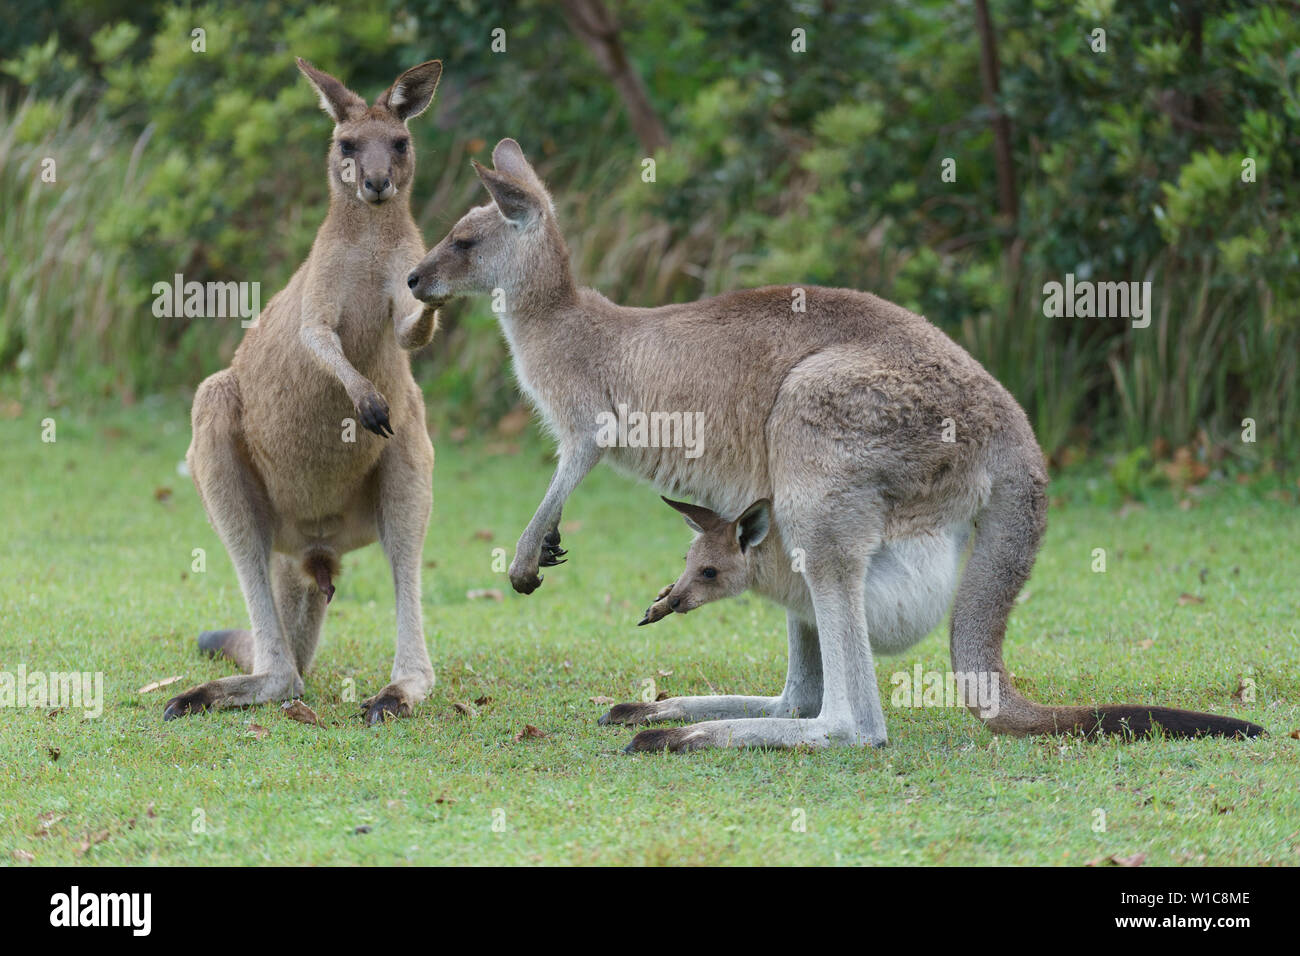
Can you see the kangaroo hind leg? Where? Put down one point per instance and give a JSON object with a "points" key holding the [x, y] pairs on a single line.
{"points": [[237, 506]]}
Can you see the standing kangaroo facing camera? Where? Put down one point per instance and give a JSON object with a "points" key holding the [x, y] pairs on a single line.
{"points": [[834, 414], [288, 480]]}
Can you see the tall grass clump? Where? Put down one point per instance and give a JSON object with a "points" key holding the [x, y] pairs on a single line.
{"points": [[72, 313]]}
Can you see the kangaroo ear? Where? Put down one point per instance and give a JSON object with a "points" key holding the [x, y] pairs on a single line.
{"points": [[335, 98], [518, 203], [508, 158], [412, 92], [753, 525], [698, 518]]}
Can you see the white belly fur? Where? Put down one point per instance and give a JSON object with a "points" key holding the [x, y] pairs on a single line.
{"points": [[909, 587]]}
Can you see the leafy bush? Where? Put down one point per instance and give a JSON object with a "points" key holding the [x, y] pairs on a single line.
{"points": [[1168, 158]]}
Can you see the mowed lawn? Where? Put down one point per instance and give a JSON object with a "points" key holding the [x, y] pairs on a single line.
{"points": [[96, 548]]}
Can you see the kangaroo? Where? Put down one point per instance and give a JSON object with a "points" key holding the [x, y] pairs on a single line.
{"points": [[830, 404], [908, 587], [287, 480]]}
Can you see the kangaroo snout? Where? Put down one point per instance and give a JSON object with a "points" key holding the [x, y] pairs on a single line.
{"points": [[425, 285], [377, 189]]}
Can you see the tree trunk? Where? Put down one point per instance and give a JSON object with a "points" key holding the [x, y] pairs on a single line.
{"points": [[1008, 203], [592, 22]]}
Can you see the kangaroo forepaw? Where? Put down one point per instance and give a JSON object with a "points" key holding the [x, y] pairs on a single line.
{"points": [[551, 550], [373, 412]]}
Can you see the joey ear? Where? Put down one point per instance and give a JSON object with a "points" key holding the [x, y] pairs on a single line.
{"points": [[509, 158], [753, 525], [335, 98], [515, 201], [698, 518], [412, 92]]}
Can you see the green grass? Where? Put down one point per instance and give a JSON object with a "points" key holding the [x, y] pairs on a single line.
{"points": [[96, 577]]}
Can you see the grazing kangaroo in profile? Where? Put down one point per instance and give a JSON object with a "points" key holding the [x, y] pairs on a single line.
{"points": [[835, 414], [288, 481]]}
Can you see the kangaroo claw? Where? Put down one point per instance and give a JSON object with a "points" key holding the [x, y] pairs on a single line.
{"points": [[373, 411]]}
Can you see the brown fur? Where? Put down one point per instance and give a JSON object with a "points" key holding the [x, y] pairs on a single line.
{"points": [[284, 487]]}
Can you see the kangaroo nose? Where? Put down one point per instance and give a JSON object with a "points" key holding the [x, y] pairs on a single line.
{"points": [[370, 184], [413, 280], [676, 601]]}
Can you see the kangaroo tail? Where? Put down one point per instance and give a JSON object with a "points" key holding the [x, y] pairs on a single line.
{"points": [[1008, 531]]}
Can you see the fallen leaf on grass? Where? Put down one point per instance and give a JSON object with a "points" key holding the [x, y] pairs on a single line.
{"points": [[483, 701], [364, 828], [162, 495], [45, 821], [1135, 860], [1295, 735], [258, 732], [530, 731], [154, 685], [90, 840], [297, 710], [1147, 644], [1185, 599], [22, 856], [465, 709], [1242, 686], [479, 594], [483, 534], [55, 712], [54, 753], [602, 699]]}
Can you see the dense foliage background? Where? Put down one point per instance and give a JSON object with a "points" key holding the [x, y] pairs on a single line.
{"points": [[821, 166]]}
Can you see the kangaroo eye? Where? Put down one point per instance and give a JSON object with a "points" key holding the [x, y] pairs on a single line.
{"points": [[347, 147], [710, 572], [401, 144], [463, 244]]}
